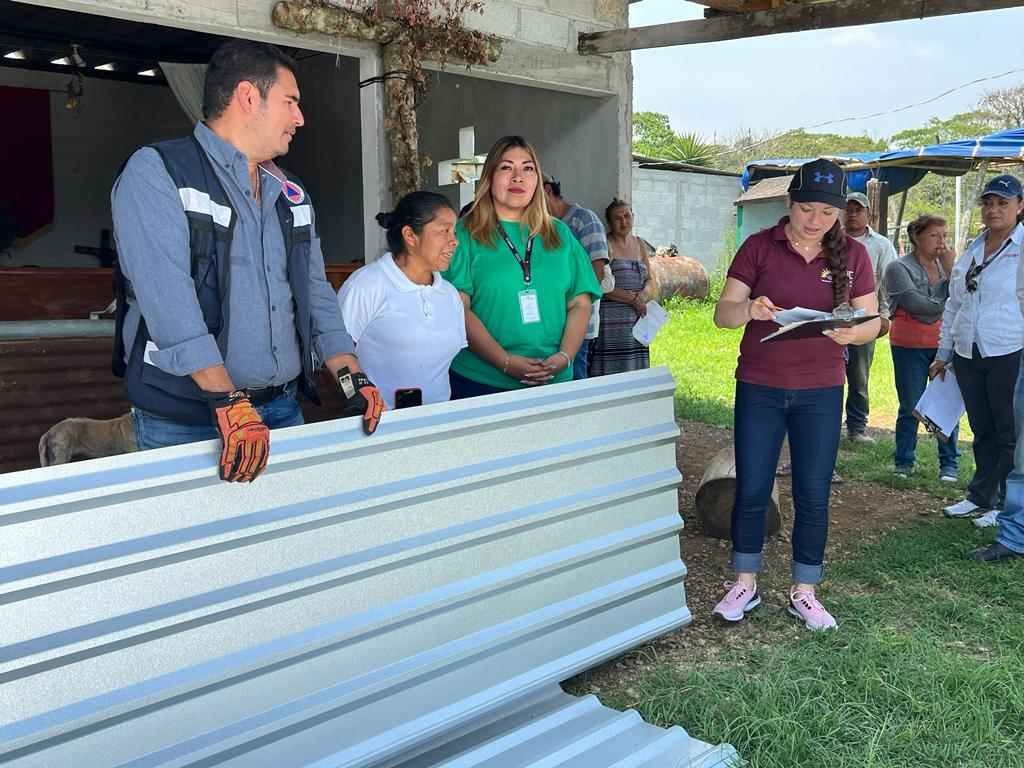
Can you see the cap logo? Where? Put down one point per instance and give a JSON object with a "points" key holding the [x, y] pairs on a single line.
{"points": [[1005, 183], [828, 177]]}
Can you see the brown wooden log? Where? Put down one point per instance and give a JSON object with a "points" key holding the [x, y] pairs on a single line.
{"points": [[716, 493]]}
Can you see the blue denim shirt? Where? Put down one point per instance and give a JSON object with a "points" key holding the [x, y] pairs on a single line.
{"points": [[153, 248]]}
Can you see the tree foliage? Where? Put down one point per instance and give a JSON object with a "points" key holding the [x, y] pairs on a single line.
{"points": [[997, 110], [1006, 106], [653, 137], [965, 125], [750, 146]]}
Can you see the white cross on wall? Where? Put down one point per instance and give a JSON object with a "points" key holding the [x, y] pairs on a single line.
{"points": [[464, 170]]}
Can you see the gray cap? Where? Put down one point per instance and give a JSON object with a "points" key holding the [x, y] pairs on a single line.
{"points": [[858, 197]]}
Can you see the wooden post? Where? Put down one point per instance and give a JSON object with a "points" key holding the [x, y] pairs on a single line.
{"points": [[899, 215], [878, 203]]}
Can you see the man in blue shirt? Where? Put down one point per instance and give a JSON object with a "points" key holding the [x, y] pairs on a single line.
{"points": [[588, 229], [227, 310]]}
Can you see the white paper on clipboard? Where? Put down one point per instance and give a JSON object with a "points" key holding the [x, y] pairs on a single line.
{"points": [[941, 406]]}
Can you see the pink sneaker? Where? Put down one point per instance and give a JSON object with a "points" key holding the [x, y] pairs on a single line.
{"points": [[805, 606], [738, 601]]}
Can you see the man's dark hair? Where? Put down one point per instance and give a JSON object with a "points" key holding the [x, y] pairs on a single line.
{"points": [[556, 188], [238, 60]]}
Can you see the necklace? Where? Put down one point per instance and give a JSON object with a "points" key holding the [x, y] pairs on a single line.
{"points": [[800, 246]]}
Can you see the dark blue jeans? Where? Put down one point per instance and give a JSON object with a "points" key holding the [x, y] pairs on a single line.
{"points": [[463, 387], [152, 431], [763, 417], [1011, 519], [910, 369]]}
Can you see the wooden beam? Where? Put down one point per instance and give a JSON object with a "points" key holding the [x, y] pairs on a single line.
{"points": [[740, 6], [791, 18]]}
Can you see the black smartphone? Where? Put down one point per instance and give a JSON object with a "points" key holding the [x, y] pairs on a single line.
{"points": [[408, 397]]}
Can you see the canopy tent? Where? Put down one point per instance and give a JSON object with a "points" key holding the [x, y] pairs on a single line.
{"points": [[904, 168]]}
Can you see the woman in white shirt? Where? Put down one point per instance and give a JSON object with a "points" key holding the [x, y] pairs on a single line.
{"points": [[982, 334], [407, 321]]}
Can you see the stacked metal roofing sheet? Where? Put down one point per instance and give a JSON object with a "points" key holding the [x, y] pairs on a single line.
{"points": [[406, 599]]}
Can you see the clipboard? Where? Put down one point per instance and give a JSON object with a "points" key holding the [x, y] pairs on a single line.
{"points": [[812, 329], [941, 406]]}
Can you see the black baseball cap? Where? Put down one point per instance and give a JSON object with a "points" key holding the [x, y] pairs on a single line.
{"points": [[819, 181]]}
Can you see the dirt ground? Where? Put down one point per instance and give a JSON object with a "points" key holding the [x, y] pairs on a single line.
{"points": [[858, 512]]}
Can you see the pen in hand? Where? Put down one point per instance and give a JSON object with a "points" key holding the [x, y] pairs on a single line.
{"points": [[763, 308]]}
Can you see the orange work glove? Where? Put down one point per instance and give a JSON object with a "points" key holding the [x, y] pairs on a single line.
{"points": [[245, 438], [361, 398]]}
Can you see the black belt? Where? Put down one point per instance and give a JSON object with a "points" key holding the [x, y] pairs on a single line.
{"points": [[264, 395]]}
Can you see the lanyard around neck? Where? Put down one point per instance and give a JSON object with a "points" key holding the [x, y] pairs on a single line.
{"points": [[524, 263]]}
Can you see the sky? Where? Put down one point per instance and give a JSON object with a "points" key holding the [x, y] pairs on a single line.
{"points": [[796, 80]]}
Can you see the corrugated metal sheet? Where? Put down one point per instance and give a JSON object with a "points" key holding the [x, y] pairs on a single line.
{"points": [[363, 603]]}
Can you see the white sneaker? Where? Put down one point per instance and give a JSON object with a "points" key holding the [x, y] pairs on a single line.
{"points": [[988, 520], [963, 508]]}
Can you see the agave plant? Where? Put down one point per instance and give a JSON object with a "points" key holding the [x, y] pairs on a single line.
{"points": [[691, 148]]}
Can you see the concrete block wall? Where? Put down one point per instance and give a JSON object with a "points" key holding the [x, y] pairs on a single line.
{"points": [[548, 23], [694, 211]]}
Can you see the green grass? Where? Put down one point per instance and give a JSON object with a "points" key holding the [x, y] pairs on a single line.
{"points": [[702, 359], [927, 668]]}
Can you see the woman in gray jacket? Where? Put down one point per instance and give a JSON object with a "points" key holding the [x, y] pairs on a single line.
{"points": [[918, 286]]}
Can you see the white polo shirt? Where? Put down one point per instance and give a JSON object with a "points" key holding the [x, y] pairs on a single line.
{"points": [[406, 334]]}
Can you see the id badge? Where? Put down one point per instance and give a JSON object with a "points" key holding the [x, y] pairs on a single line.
{"points": [[529, 308]]}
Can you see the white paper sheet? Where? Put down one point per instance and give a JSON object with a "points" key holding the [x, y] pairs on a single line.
{"points": [[647, 327], [802, 314], [941, 406]]}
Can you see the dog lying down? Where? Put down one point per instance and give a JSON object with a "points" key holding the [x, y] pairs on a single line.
{"points": [[76, 438]]}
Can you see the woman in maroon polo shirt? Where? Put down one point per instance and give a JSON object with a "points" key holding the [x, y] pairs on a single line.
{"points": [[792, 388]]}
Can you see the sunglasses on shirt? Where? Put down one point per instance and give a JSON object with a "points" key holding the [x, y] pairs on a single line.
{"points": [[971, 278]]}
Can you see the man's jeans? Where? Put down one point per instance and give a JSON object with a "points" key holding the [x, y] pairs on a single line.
{"points": [[858, 369], [1011, 519], [153, 431], [910, 368], [812, 419]]}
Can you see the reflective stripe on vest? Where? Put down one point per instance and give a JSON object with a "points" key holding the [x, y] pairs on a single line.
{"points": [[302, 216], [196, 201]]}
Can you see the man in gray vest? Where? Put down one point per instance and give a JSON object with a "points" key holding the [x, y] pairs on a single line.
{"points": [[858, 365], [225, 310]]}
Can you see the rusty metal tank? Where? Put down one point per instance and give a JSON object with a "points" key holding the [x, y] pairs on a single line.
{"points": [[678, 275]]}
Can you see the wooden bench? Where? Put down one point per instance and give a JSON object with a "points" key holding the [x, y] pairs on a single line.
{"points": [[410, 599]]}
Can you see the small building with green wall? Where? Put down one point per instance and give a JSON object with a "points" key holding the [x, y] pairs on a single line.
{"points": [[761, 206]]}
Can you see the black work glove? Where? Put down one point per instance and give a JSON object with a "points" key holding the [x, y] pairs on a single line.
{"points": [[245, 439], [361, 398]]}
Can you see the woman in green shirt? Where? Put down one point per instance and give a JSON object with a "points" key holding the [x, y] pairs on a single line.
{"points": [[525, 281]]}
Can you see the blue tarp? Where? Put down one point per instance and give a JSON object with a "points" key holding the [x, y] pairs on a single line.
{"points": [[906, 167]]}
